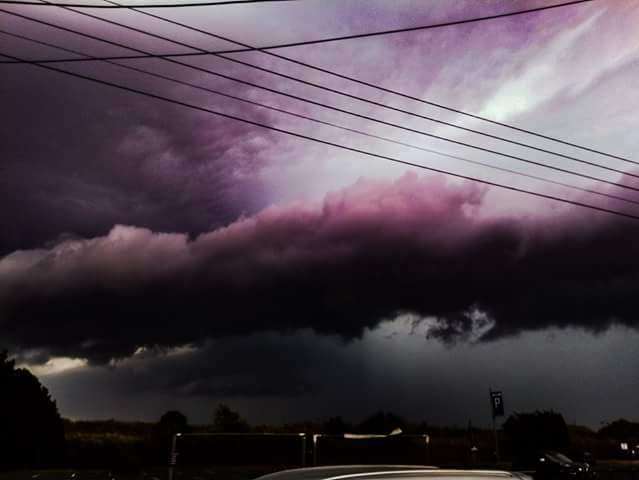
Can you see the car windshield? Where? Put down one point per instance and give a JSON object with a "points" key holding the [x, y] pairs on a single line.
{"points": [[560, 457]]}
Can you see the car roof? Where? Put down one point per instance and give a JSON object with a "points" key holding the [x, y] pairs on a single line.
{"points": [[373, 472]]}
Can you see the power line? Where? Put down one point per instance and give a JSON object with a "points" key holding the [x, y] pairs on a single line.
{"points": [[408, 29], [348, 95], [338, 92], [285, 45], [327, 123], [332, 90], [126, 57], [325, 142], [319, 104], [363, 82], [395, 92], [144, 5], [368, 84]]}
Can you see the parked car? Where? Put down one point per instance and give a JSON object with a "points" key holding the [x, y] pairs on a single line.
{"points": [[390, 472], [555, 465]]}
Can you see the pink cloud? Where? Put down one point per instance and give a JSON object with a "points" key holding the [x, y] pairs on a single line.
{"points": [[364, 254]]}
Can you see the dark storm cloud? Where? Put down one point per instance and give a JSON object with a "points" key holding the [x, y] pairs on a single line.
{"points": [[273, 378], [255, 365], [79, 158], [367, 253]]}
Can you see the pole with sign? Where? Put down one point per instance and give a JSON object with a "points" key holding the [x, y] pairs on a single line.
{"points": [[497, 405]]}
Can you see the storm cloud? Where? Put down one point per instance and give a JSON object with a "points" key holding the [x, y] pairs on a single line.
{"points": [[365, 254], [155, 258]]}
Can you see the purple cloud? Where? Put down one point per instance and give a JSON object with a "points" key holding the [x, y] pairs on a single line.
{"points": [[366, 253]]}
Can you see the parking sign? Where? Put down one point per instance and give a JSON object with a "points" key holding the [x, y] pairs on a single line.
{"points": [[497, 402]]}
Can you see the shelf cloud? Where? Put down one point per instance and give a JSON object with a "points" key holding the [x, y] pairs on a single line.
{"points": [[366, 253]]}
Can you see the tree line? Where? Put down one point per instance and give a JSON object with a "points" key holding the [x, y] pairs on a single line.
{"points": [[33, 434]]}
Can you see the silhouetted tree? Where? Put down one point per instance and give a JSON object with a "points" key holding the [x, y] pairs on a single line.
{"points": [[173, 422], [531, 432], [620, 430], [227, 420], [31, 430], [170, 423], [382, 423]]}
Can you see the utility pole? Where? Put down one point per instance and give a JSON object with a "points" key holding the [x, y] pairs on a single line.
{"points": [[497, 407], [496, 441]]}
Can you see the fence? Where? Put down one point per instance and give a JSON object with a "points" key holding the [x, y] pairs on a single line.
{"points": [[291, 449], [239, 449]]}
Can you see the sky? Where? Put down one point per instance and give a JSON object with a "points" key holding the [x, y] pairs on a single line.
{"points": [[157, 257]]}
